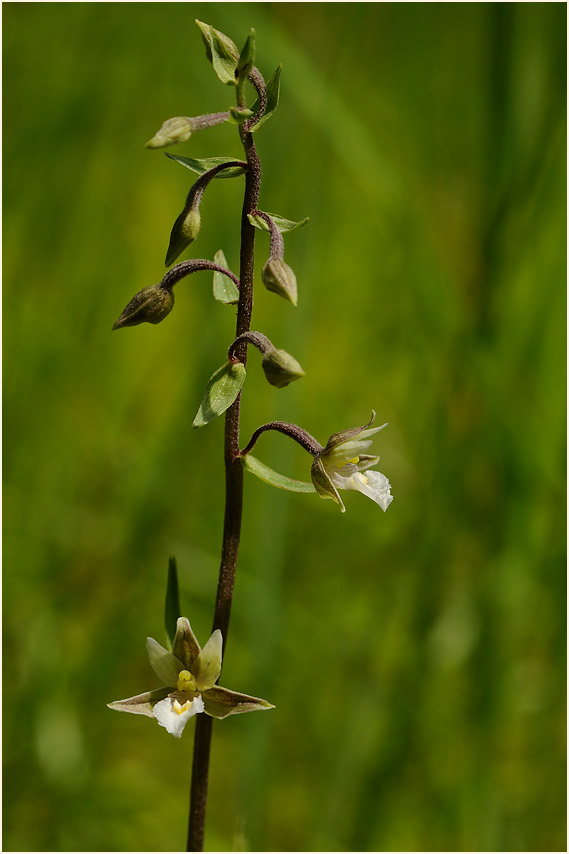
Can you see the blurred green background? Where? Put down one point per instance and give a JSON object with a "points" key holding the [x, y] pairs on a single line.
{"points": [[416, 658]]}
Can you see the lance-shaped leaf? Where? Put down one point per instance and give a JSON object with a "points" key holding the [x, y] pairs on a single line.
{"points": [[281, 223], [221, 391], [268, 475], [247, 57], [201, 166], [273, 92], [172, 605], [224, 289], [221, 51]]}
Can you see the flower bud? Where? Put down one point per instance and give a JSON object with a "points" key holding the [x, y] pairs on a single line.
{"points": [[281, 368], [150, 305], [178, 129], [185, 230], [280, 279]]}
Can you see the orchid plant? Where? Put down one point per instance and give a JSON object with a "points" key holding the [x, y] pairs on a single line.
{"points": [[189, 673]]}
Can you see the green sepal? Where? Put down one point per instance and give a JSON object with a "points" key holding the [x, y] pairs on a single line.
{"points": [[185, 647], [141, 704], [221, 51], [207, 666], [172, 605], [224, 289], [273, 92], [201, 166], [268, 475], [221, 702], [247, 57], [220, 392], [281, 223]]}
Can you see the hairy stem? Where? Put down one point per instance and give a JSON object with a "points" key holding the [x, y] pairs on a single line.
{"points": [[233, 495]]}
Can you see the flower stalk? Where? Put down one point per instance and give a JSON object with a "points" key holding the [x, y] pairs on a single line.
{"points": [[233, 492], [189, 674]]}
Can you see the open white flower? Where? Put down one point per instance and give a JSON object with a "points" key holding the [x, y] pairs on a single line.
{"points": [[189, 674], [343, 464]]}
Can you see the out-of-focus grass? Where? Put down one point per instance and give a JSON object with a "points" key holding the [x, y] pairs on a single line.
{"points": [[416, 659]]}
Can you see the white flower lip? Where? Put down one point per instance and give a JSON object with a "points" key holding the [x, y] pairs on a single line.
{"points": [[173, 715]]}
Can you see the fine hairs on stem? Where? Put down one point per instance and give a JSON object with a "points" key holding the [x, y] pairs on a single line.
{"points": [[188, 672]]}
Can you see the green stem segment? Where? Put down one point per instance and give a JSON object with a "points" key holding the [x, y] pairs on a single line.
{"points": [[233, 494]]}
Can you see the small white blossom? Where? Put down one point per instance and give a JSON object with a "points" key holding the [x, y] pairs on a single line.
{"points": [[344, 464], [189, 675]]}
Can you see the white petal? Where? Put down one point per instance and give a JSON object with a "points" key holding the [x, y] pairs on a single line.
{"points": [[374, 484], [165, 665], [174, 716]]}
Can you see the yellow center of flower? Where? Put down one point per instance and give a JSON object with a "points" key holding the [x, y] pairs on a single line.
{"points": [[186, 682], [179, 708], [354, 460]]}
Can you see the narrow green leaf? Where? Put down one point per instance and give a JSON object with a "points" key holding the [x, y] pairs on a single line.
{"points": [[267, 474], [172, 606], [247, 57], [224, 289], [220, 392], [281, 223], [201, 166], [273, 91], [221, 51]]}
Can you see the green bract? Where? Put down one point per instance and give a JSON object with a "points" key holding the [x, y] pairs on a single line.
{"points": [[281, 223], [172, 604], [224, 289], [188, 674], [207, 163], [268, 475], [247, 57], [273, 92], [221, 51], [220, 392]]}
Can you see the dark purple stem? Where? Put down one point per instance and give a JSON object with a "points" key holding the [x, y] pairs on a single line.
{"points": [[260, 341], [197, 189], [256, 79], [194, 265], [209, 120], [277, 242], [299, 435], [233, 493]]}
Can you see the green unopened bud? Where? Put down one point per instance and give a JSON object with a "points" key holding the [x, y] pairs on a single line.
{"points": [[280, 279], [150, 305], [185, 230], [281, 368], [178, 129]]}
